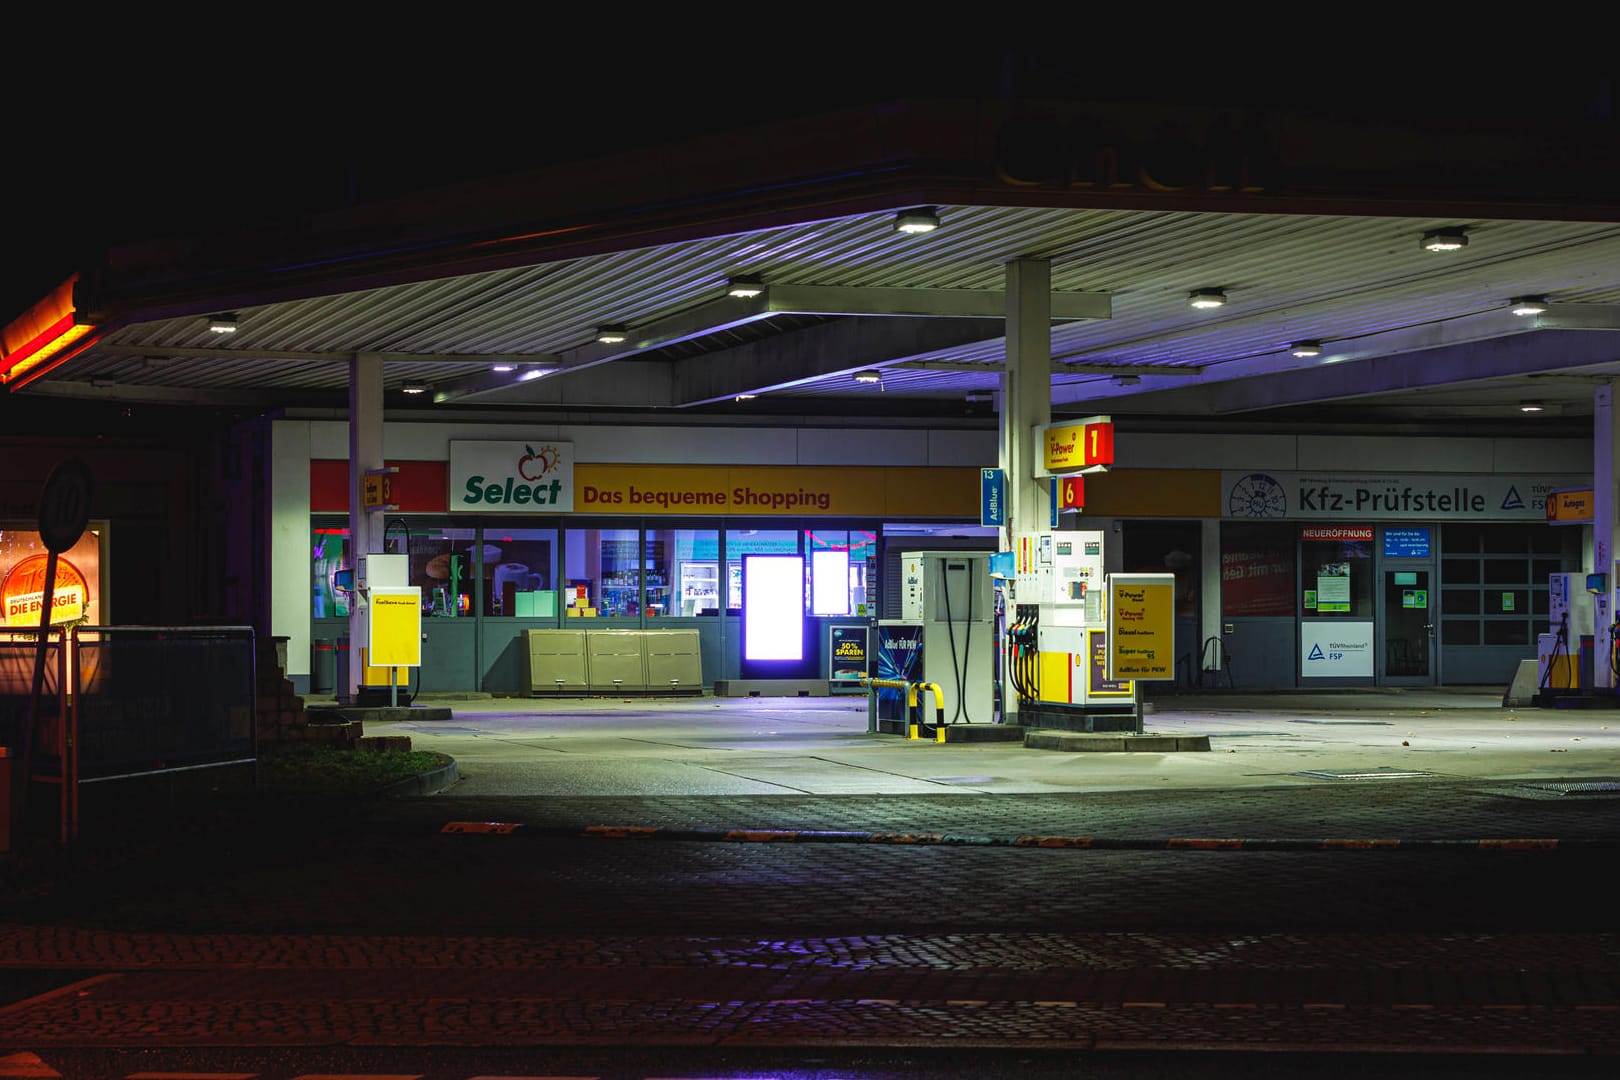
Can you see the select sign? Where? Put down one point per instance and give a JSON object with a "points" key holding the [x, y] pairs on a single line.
{"points": [[535, 476]]}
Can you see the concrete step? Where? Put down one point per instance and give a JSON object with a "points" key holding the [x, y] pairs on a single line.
{"points": [[1112, 741]]}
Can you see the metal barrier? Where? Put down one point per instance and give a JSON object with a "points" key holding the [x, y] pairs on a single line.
{"points": [[45, 753], [162, 699], [913, 705]]}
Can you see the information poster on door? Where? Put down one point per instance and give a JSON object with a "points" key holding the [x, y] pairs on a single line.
{"points": [[1333, 587]]}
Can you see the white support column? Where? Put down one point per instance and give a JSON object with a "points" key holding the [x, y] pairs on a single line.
{"points": [[1605, 469], [1025, 404], [365, 453], [1209, 593]]}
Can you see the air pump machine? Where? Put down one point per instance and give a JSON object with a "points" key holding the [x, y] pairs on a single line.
{"points": [[948, 593]]}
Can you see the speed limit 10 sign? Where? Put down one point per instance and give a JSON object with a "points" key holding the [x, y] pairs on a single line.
{"points": [[64, 506]]}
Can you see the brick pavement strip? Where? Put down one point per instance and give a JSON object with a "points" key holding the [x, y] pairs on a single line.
{"points": [[1546, 992]]}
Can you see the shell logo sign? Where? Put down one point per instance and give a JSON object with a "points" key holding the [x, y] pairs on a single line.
{"points": [[23, 592]]}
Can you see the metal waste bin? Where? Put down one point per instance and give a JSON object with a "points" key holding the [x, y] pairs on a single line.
{"points": [[323, 667]]}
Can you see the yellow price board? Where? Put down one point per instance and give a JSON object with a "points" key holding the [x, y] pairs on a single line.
{"points": [[396, 627], [1141, 626]]}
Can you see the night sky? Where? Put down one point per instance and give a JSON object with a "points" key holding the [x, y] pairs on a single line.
{"points": [[138, 145]]}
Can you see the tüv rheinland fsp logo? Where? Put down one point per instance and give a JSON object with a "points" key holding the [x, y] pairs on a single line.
{"points": [[1257, 496]]}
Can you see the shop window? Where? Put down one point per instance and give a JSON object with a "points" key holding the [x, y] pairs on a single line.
{"points": [[602, 572], [1507, 540], [1459, 632], [840, 566], [1166, 547], [521, 572], [740, 542], [1542, 569], [443, 562], [683, 572], [1547, 541], [1459, 601], [1507, 602], [1507, 632], [1338, 578], [1463, 539], [1459, 571], [1495, 581], [1506, 571], [329, 566], [1257, 570]]}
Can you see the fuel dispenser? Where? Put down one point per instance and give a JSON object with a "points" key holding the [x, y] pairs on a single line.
{"points": [[949, 594], [1564, 654], [390, 611], [1057, 638]]}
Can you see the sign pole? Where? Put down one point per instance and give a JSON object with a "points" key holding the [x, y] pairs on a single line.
{"points": [[39, 660], [64, 511]]}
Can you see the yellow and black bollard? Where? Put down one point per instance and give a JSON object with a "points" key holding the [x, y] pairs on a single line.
{"points": [[939, 709]]}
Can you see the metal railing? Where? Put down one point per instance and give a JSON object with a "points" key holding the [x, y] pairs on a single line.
{"points": [[915, 724], [150, 699], [37, 741]]}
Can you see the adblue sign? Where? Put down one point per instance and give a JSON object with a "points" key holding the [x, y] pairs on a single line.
{"points": [[535, 476]]}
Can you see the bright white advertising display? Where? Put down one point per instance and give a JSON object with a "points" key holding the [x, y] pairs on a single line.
{"points": [[535, 477], [1329, 648], [829, 582], [773, 607]]}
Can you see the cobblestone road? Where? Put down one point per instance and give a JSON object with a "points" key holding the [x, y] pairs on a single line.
{"points": [[378, 928]]}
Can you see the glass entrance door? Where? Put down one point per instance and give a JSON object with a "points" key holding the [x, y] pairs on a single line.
{"points": [[1408, 628]]}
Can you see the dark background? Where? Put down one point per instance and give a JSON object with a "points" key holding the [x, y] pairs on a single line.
{"points": [[122, 134]]}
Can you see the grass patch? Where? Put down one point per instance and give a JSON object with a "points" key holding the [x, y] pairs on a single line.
{"points": [[323, 771]]}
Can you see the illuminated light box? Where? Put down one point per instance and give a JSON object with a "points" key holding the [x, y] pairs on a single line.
{"points": [[829, 583], [773, 607]]}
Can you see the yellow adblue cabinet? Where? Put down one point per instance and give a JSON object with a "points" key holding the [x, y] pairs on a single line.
{"points": [[372, 675]]}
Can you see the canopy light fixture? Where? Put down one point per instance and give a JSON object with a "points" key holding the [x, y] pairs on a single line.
{"points": [[1206, 298], [920, 219], [1531, 406], [500, 367], [1454, 239], [745, 288], [868, 376], [745, 397], [224, 323], [1528, 305], [1303, 349], [1126, 380], [531, 373], [414, 388], [612, 334]]}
